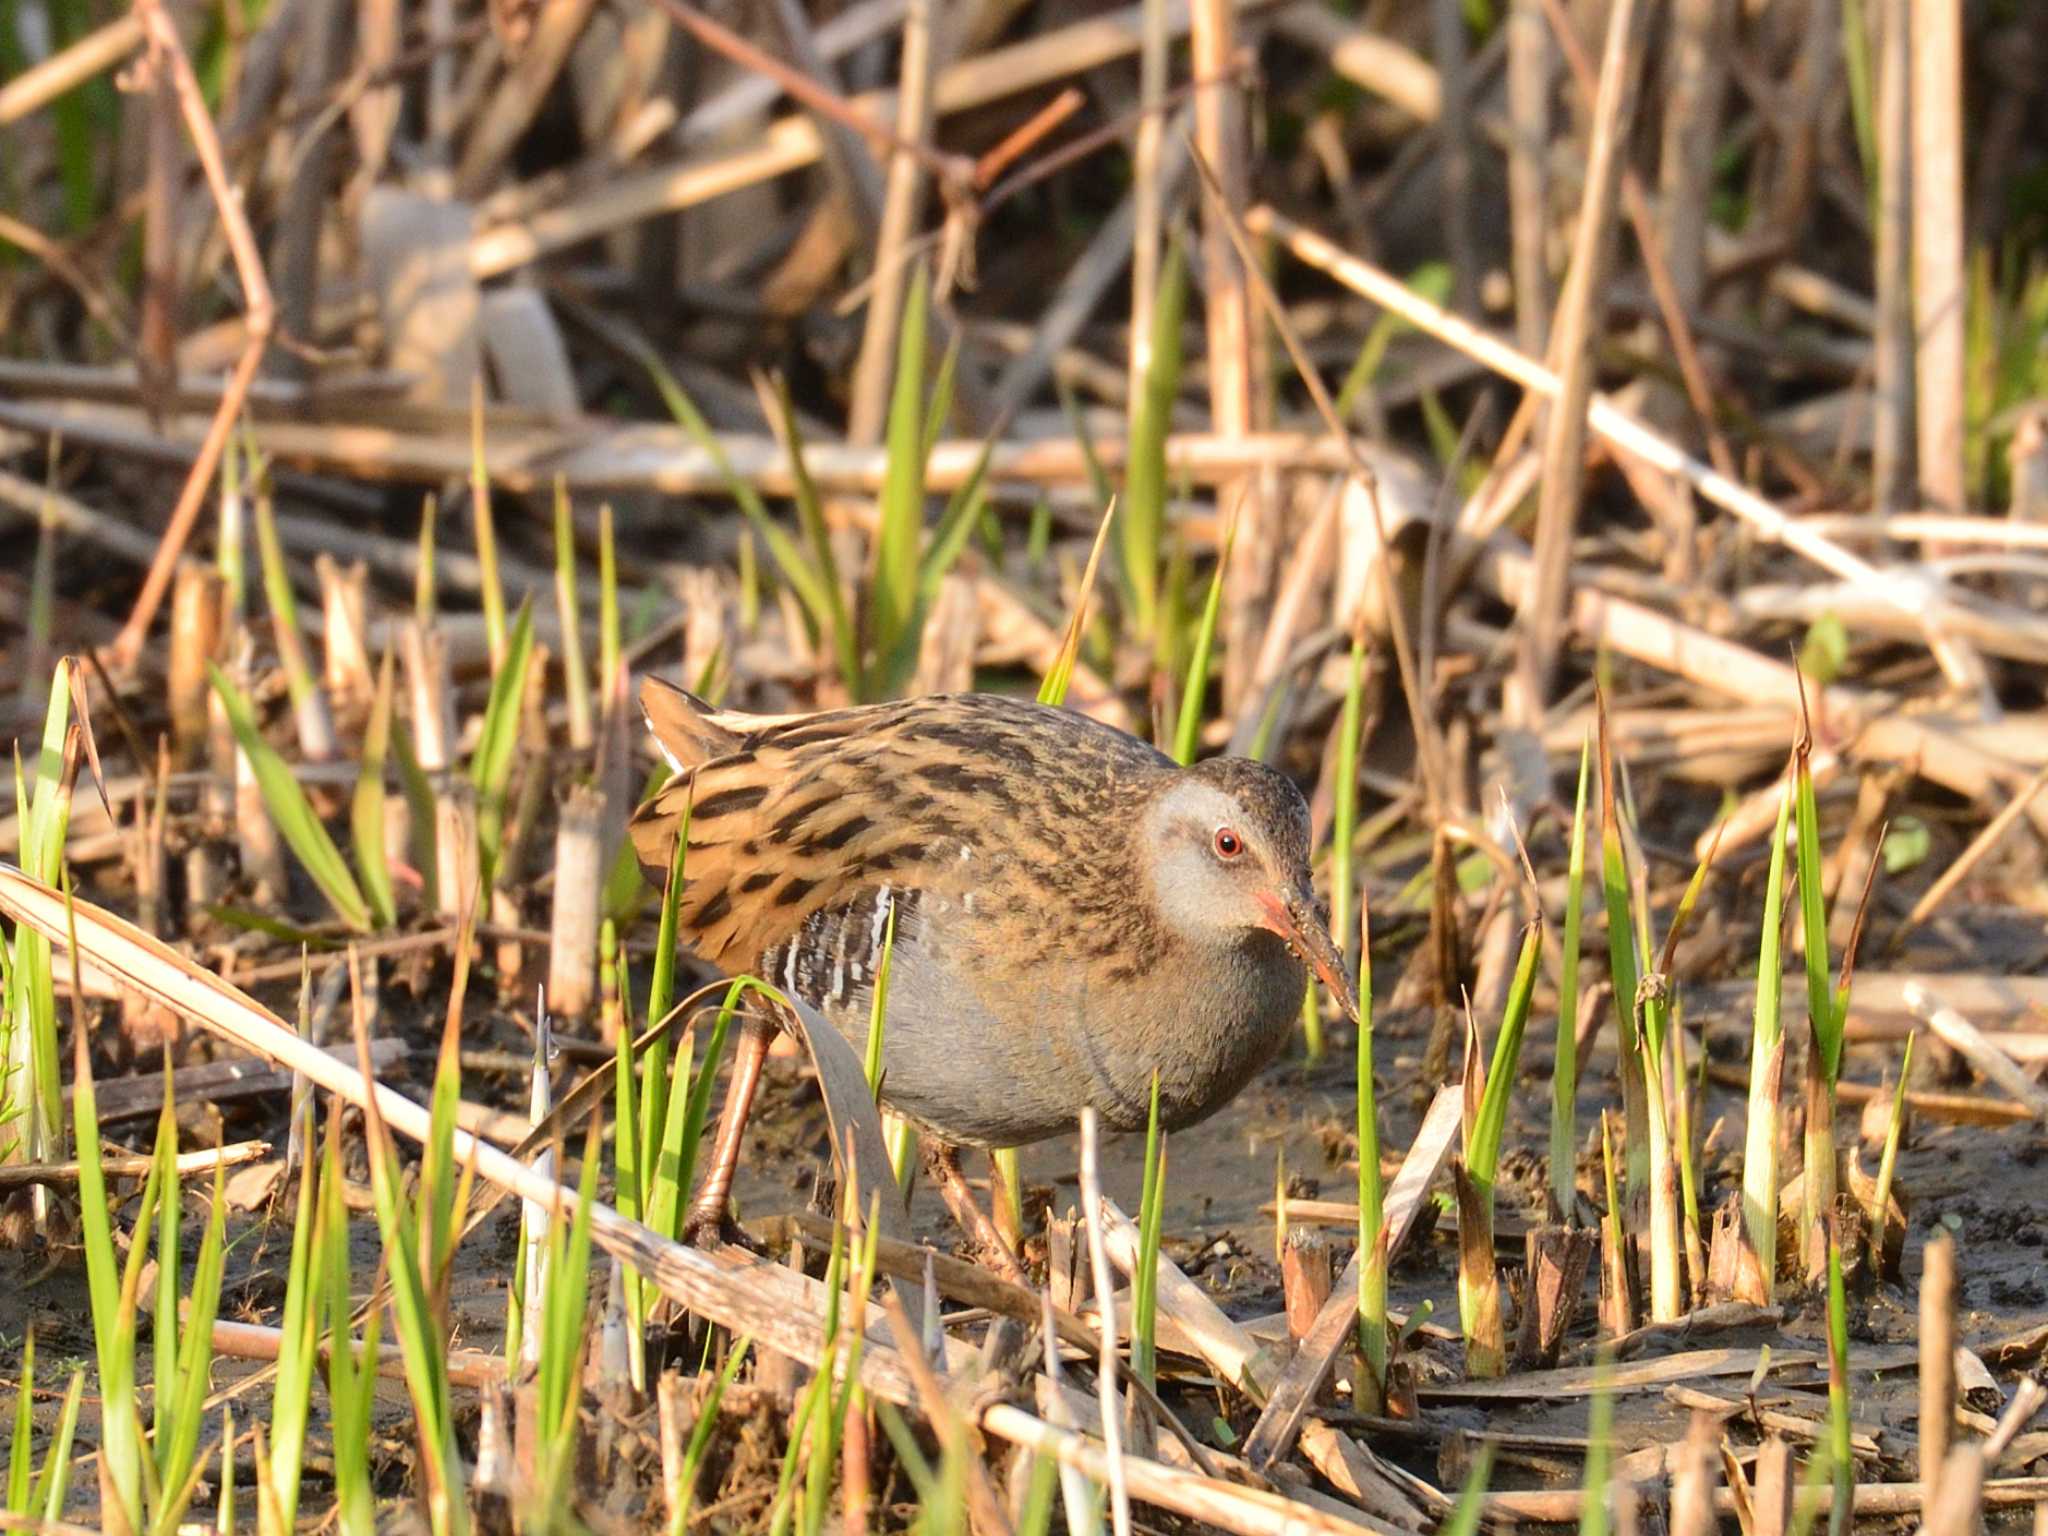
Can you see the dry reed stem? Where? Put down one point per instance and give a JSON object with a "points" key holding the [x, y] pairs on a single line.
{"points": [[1672, 306], [1221, 145], [1366, 57], [63, 1175], [1529, 105], [903, 201], [1581, 310], [1937, 1359], [1940, 280], [97, 51], [1148, 197], [1892, 391], [259, 313], [792, 143]]}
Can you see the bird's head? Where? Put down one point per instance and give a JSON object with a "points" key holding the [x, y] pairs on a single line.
{"points": [[1228, 846]]}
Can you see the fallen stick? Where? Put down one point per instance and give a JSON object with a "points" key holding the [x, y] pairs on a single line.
{"points": [[471, 1368], [1968, 1041], [594, 456], [130, 1166]]}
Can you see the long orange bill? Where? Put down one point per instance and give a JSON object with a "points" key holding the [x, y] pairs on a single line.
{"points": [[1296, 920]]}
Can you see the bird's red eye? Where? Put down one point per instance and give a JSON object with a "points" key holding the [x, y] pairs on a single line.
{"points": [[1228, 844]]}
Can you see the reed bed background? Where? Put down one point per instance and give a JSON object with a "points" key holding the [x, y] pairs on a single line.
{"points": [[1601, 450]]}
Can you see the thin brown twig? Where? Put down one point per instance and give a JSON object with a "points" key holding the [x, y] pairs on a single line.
{"points": [[260, 314], [949, 170]]}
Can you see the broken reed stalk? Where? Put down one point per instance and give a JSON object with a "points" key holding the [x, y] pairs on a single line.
{"points": [[1937, 1361], [258, 844], [345, 634], [579, 882], [197, 601]]}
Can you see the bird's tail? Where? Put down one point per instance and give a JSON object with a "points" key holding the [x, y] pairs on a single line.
{"points": [[683, 725]]}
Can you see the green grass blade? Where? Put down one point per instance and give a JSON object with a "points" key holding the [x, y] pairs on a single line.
{"points": [[291, 810], [1564, 1078], [292, 1392], [568, 607], [1372, 1271], [1841, 1458], [810, 517], [1600, 1446], [20, 1460], [54, 1482], [195, 1357], [804, 578], [700, 1434], [1622, 964], [366, 805], [486, 528], [491, 767], [1482, 1146], [608, 638], [1766, 1067], [1145, 1278], [1053, 688], [169, 1260], [1188, 726], [1465, 1518], [1820, 996], [121, 1451]]}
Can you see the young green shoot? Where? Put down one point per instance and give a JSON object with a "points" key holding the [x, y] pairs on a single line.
{"points": [[575, 675], [1487, 1094], [1599, 1446], [293, 813], [1824, 1024], [490, 767], [1624, 965], [1187, 734], [1145, 1277], [1887, 1163], [486, 532], [1841, 1461], [1564, 1077]]}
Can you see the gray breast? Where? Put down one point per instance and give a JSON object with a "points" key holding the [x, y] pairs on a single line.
{"points": [[986, 1055]]}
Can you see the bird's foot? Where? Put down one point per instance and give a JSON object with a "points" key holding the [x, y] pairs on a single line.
{"points": [[712, 1226]]}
